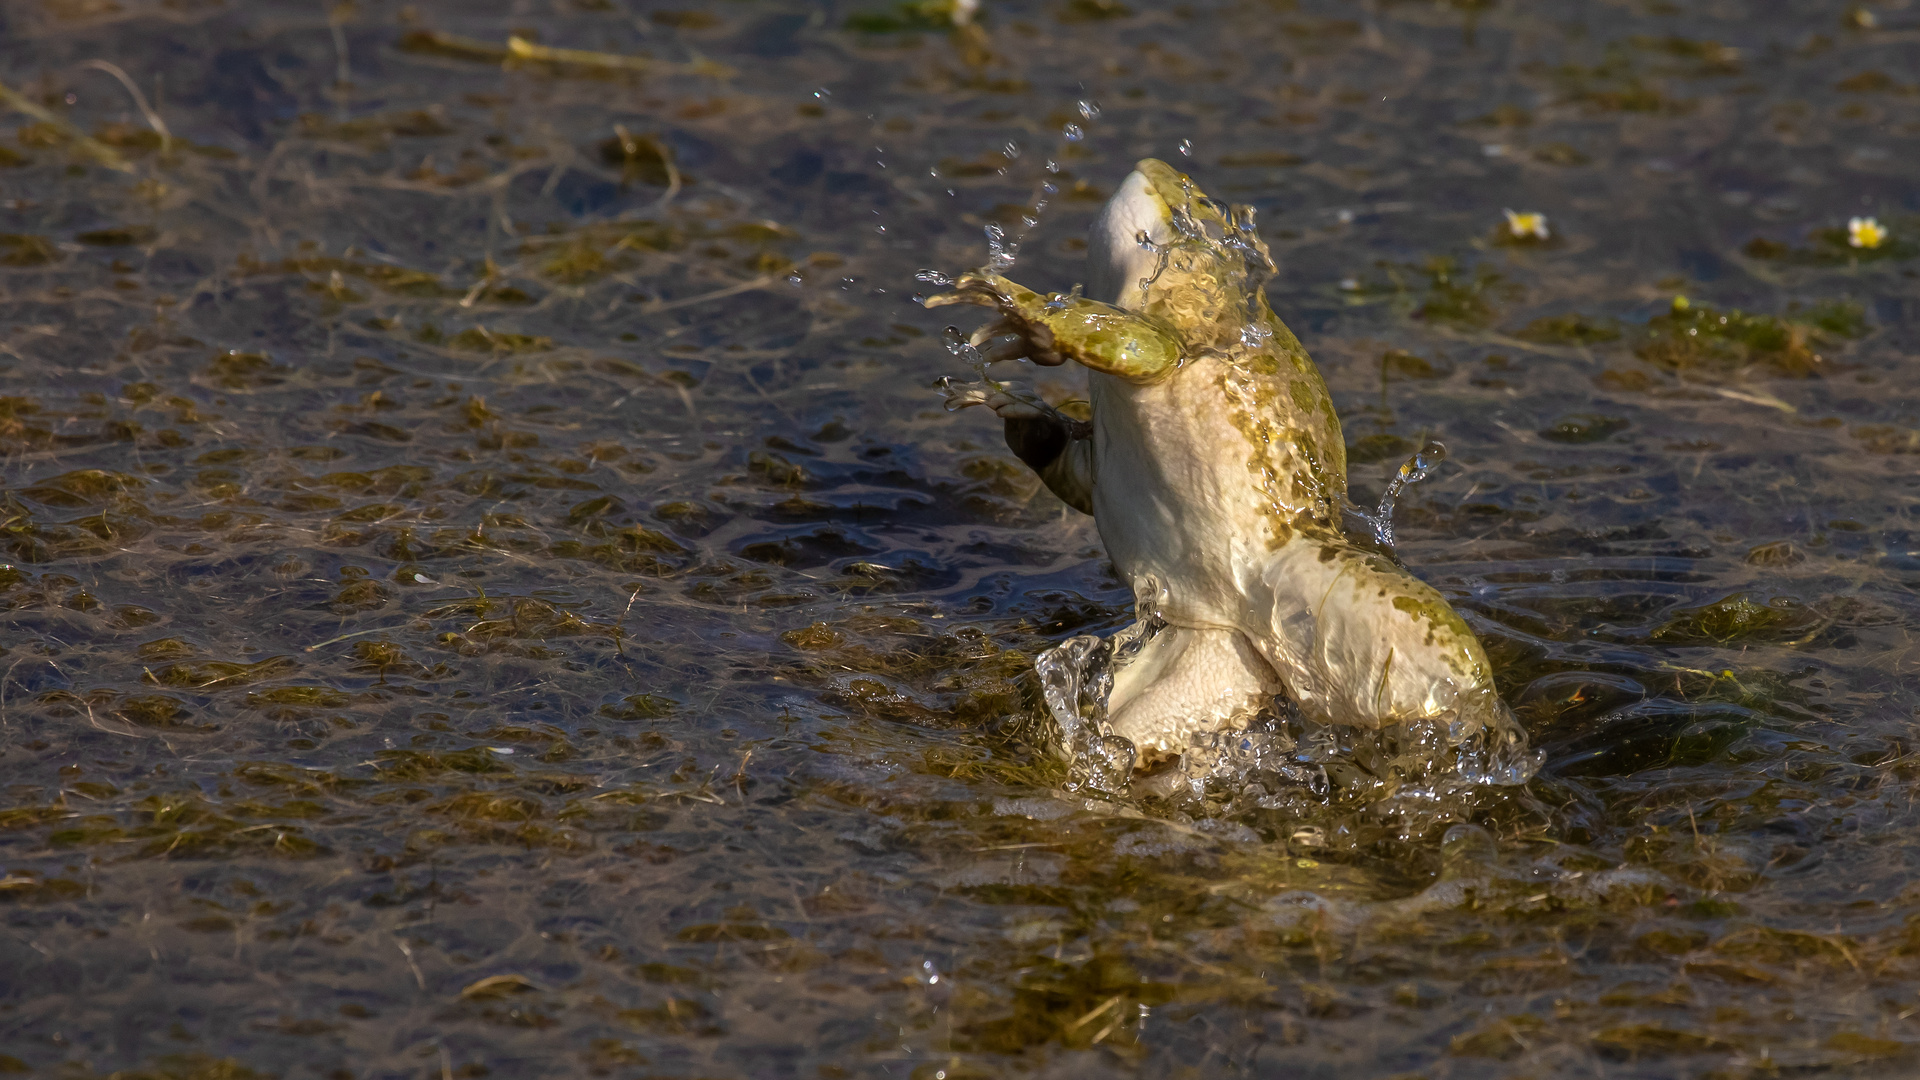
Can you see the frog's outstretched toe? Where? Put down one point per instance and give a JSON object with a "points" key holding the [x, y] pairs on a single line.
{"points": [[1009, 402], [980, 290], [1015, 342]]}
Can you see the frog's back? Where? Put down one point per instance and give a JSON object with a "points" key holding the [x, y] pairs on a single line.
{"points": [[1276, 399]]}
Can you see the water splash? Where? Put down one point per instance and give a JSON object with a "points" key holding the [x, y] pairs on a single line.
{"points": [[1417, 772], [1224, 240], [1412, 471], [1002, 253]]}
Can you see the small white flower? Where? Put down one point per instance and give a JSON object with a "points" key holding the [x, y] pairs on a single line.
{"points": [[1526, 225], [1866, 232]]}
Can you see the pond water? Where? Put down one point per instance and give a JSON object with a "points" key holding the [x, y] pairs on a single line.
{"points": [[489, 586]]}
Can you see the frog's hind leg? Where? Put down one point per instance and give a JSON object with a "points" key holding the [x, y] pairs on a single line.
{"points": [[1362, 642], [1188, 681]]}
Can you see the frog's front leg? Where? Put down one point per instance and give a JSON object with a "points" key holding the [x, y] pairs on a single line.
{"points": [[1058, 327], [1063, 459], [1058, 448]]}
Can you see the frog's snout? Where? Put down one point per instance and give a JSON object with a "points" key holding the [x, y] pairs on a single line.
{"points": [[1117, 261]]}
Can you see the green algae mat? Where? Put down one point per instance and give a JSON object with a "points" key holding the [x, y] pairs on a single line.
{"points": [[488, 587]]}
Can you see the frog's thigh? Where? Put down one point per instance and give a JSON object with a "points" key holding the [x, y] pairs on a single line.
{"points": [[1368, 645], [1188, 681]]}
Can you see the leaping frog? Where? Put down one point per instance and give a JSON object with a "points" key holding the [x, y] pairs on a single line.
{"points": [[1215, 470]]}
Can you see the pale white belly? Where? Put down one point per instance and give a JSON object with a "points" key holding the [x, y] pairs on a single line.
{"points": [[1175, 500]]}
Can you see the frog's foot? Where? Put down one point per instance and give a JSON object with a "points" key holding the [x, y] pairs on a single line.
{"points": [[1188, 681], [1028, 337], [1360, 641], [1009, 401]]}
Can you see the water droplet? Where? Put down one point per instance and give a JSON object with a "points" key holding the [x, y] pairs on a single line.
{"points": [[1012, 150], [1417, 468], [1089, 111], [1001, 252], [1186, 147], [823, 93], [1072, 133], [933, 277]]}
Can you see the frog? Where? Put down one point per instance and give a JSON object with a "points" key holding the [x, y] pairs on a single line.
{"points": [[1215, 471]]}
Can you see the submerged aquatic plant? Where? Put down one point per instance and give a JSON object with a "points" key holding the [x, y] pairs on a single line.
{"points": [[1462, 300], [916, 15], [1863, 240], [1697, 339]]}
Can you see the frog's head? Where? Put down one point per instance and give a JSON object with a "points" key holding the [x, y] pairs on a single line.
{"points": [[1161, 246]]}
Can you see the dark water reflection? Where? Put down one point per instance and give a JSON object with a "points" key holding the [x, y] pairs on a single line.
{"points": [[489, 589]]}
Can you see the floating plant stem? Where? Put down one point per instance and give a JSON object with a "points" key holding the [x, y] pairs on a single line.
{"points": [[99, 151], [522, 49], [355, 634], [139, 100]]}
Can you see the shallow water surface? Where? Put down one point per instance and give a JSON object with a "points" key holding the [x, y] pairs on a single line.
{"points": [[490, 589]]}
